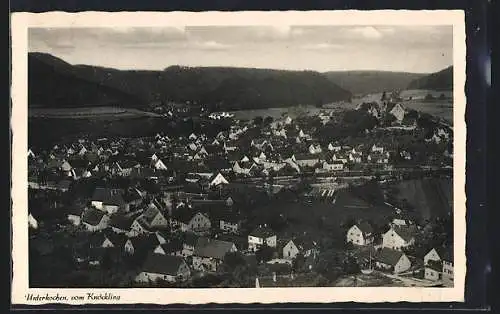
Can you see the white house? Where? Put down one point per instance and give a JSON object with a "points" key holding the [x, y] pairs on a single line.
{"points": [[360, 234], [398, 237], [159, 267], [218, 180], [108, 200], [299, 245], [209, 253], [261, 236], [398, 111], [392, 260], [335, 166]]}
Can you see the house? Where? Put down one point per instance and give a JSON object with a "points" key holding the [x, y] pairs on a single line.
{"points": [[172, 247], [32, 222], [75, 213], [335, 166], [186, 219], [95, 220], [121, 223], [138, 228], [306, 160], [360, 234], [377, 149], [398, 237], [447, 259], [154, 218], [299, 245], [210, 253], [393, 260], [334, 148], [140, 244], [230, 223], [261, 236], [218, 180], [397, 111], [433, 270], [442, 255], [159, 165], [189, 241], [159, 267], [108, 200]]}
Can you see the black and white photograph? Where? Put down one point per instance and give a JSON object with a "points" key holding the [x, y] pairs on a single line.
{"points": [[241, 156]]}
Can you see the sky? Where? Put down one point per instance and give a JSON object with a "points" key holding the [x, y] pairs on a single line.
{"points": [[418, 49]]}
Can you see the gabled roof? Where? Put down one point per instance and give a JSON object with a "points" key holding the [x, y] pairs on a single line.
{"points": [[365, 227], [92, 216], [435, 265], [262, 232], [389, 256], [405, 232], [172, 246], [206, 247], [162, 264], [122, 222], [108, 196]]}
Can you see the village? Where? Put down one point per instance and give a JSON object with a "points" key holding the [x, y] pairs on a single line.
{"points": [[295, 201]]}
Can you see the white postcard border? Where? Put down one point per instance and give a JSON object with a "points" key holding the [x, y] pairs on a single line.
{"points": [[20, 22]]}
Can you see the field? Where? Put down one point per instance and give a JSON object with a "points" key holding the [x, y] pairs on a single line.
{"points": [[430, 197], [293, 111], [108, 113], [439, 108]]}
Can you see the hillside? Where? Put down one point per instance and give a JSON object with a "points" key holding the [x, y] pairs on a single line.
{"points": [[369, 82], [54, 83], [442, 80], [217, 87]]}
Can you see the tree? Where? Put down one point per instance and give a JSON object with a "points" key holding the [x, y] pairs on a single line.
{"points": [[258, 121], [264, 254], [268, 120]]}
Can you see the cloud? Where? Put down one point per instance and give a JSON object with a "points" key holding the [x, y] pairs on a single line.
{"points": [[322, 46], [210, 45], [368, 32]]}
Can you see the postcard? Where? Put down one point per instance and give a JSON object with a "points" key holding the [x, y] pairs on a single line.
{"points": [[238, 157]]}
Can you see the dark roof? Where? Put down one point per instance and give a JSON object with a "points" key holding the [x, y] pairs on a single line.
{"points": [[92, 216], [184, 214], [189, 238], [389, 256], [365, 227], [405, 232], [206, 247], [108, 196], [76, 210], [172, 246], [262, 232], [162, 264], [435, 265], [121, 221]]}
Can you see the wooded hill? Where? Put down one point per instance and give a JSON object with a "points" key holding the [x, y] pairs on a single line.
{"points": [[370, 82], [442, 80], [55, 83]]}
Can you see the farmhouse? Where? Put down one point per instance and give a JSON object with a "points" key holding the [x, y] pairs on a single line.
{"points": [[95, 220], [393, 260], [159, 267], [108, 200], [398, 237], [189, 220], [260, 237], [210, 253], [433, 270], [299, 245], [360, 234]]}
